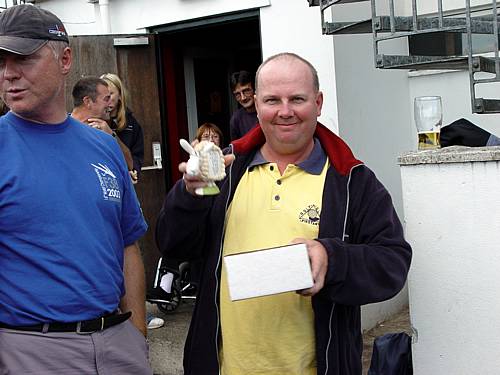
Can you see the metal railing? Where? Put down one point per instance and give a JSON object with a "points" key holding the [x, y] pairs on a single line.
{"points": [[464, 24]]}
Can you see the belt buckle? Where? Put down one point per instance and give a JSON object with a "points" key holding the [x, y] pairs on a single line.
{"points": [[79, 328]]}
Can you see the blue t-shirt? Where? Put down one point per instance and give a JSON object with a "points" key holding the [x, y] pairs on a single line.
{"points": [[67, 210]]}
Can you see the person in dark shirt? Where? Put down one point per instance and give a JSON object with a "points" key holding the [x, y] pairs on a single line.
{"points": [[245, 117], [124, 123]]}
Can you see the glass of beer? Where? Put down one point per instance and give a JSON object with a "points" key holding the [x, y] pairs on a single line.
{"points": [[428, 113]]}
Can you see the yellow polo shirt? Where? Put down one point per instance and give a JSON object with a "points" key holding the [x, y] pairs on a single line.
{"points": [[271, 335]]}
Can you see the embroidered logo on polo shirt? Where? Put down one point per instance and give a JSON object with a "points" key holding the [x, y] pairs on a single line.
{"points": [[109, 183], [310, 215]]}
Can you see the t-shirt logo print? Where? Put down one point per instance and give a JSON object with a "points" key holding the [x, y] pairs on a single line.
{"points": [[109, 183], [310, 215]]}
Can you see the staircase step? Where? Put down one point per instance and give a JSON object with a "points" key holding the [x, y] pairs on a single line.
{"points": [[422, 62], [486, 106], [405, 24], [479, 63], [326, 3]]}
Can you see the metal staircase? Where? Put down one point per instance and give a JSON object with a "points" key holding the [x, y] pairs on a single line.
{"points": [[450, 28]]}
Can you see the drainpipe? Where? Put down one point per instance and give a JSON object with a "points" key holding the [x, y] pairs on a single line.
{"points": [[105, 19]]}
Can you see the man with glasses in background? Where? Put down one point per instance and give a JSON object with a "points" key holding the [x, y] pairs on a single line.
{"points": [[245, 117]]}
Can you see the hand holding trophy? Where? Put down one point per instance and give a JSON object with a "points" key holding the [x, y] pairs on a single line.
{"points": [[207, 162]]}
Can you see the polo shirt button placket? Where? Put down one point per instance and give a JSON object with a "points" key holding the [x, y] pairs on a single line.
{"points": [[276, 190]]}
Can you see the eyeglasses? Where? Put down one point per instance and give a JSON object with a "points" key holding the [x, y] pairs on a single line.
{"points": [[245, 92], [209, 137]]}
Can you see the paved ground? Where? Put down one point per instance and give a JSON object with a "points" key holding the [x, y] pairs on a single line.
{"points": [[166, 343]]}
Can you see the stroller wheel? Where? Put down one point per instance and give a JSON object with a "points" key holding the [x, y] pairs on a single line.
{"points": [[168, 307]]}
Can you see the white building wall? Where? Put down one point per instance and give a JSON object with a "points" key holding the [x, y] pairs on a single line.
{"points": [[132, 16], [452, 212], [78, 16], [291, 26], [374, 119], [159, 12]]}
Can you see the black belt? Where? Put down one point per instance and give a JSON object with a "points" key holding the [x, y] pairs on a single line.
{"points": [[85, 326]]}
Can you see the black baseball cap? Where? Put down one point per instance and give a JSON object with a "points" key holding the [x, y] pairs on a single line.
{"points": [[24, 29]]}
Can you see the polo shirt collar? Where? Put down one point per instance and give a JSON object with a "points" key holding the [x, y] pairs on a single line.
{"points": [[313, 164]]}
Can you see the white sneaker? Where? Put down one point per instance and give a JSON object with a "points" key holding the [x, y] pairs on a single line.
{"points": [[155, 322]]}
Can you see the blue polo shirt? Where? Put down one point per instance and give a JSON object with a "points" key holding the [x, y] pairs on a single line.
{"points": [[67, 210]]}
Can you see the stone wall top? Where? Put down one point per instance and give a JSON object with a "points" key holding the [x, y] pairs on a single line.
{"points": [[452, 154]]}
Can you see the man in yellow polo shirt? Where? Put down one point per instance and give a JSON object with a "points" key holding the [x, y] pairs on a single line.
{"points": [[292, 181]]}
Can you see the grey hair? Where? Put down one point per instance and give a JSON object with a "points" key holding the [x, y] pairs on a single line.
{"points": [[57, 47]]}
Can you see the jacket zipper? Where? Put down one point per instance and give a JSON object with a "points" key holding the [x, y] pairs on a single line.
{"points": [[333, 304], [219, 260]]}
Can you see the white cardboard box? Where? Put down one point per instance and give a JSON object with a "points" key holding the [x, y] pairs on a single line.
{"points": [[268, 271]]}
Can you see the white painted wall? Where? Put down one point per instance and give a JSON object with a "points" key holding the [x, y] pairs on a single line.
{"points": [[78, 16], [132, 16], [291, 26], [374, 119], [452, 214], [158, 12]]}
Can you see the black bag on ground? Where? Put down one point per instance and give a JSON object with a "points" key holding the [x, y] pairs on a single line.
{"points": [[391, 355]]}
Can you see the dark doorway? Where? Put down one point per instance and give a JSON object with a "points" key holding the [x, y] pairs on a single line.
{"points": [[212, 102], [197, 60]]}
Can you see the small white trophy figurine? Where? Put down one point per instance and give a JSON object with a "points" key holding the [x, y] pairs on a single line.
{"points": [[207, 161]]}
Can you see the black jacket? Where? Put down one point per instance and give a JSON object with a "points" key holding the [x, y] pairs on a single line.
{"points": [[368, 256], [132, 136]]}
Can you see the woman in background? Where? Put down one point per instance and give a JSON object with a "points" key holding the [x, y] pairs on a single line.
{"points": [[209, 132], [130, 133], [124, 123]]}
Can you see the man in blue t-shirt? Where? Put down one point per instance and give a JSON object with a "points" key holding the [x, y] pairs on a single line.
{"points": [[71, 270]]}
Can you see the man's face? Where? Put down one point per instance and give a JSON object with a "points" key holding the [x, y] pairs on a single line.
{"points": [[100, 107], [244, 95], [287, 105], [32, 85]]}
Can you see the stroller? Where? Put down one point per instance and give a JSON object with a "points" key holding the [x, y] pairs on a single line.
{"points": [[171, 286]]}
